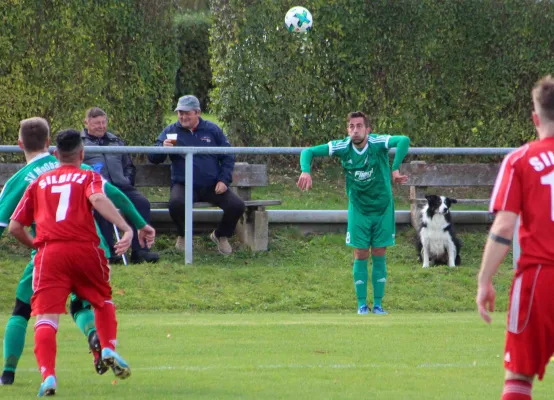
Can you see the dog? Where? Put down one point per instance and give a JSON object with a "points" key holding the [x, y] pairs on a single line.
{"points": [[436, 240]]}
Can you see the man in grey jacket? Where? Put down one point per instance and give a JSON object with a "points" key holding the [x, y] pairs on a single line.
{"points": [[119, 170]]}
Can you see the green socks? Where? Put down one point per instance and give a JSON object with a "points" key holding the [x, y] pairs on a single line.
{"points": [[360, 281], [84, 319], [378, 278], [14, 341]]}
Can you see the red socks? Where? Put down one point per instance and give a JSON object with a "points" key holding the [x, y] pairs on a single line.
{"points": [[45, 347], [106, 325], [515, 389]]}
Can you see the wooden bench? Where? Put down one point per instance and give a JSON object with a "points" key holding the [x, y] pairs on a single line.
{"points": [[253, 227], [423, 176]]}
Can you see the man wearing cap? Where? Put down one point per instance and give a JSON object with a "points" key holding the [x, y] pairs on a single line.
{"points": [[212, 173], [118, 169]]}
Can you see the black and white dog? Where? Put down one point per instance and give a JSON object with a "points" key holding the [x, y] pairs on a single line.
{"points": [[436, 240]]}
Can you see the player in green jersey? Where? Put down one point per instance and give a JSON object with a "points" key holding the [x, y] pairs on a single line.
{"points": [[34, 140], [365, 160]]}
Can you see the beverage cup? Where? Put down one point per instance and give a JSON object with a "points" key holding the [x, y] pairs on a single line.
{"points": [[172, 137]]}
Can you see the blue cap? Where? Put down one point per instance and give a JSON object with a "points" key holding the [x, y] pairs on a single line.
{"points": [[188, 103]]}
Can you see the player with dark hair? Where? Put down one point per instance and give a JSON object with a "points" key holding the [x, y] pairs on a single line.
{"points": [[525, 187], [371, 221], [34, 140], [60, 202]]}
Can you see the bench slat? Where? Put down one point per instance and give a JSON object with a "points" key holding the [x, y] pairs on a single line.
{"points": [[244, 175], [450, 174], [248, 203]]}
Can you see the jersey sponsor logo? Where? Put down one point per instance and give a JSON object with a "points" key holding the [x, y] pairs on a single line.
{"points": [[63, 178], [543, 160], [363, 175]]}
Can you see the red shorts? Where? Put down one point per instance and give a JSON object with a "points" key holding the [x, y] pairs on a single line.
{"points": [[65, 267], [530, 331]]}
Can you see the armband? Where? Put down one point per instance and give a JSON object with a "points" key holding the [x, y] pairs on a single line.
{"points": [[500, 239]]}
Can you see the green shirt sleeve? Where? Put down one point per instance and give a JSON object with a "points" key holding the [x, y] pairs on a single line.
{"points": [[121, 201], [402, 144], [307, 154]]}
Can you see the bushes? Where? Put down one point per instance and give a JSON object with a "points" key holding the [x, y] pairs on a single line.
{"points": [[59, 58], [194, 75], [456, 73]]}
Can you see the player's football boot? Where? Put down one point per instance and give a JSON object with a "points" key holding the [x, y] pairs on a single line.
{"points": [[7, 378], [119, 367], [363, 310], [379, 310], [96, 350], [48, 387]]}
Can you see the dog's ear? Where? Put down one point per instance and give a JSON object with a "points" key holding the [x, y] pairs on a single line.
{"points": [[428, 197], [453, 201]]}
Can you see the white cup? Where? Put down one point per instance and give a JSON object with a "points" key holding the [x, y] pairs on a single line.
{"points": [[172, 137]]}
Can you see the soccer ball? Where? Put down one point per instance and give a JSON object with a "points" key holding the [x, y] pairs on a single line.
{"points": [[298, 19]]}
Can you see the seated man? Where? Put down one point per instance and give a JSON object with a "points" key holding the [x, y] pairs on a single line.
{"points": [[212, 173], [118, 169]]}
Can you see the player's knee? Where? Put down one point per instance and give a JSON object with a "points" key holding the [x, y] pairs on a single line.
{"points": [[77, 305], [361, 254], [22, 309], [379, 251], [509, 375]]}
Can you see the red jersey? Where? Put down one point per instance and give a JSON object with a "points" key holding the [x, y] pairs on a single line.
{"points": [[58, 203], [525, 186]]}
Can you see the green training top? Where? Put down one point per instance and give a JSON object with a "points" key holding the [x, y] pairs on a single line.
{"points": [[368, 175], [15, 187]]}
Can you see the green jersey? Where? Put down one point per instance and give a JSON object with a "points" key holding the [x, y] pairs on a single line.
{"points": [[15, 187], [367, 170]]}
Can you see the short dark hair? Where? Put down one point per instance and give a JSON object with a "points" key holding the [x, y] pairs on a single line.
{"points": [[543, 98], [359, 114], [34, 133], [95, 112], [68, 143]]}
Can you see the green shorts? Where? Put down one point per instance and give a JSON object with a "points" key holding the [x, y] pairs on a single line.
{"points": [[365, 231]]}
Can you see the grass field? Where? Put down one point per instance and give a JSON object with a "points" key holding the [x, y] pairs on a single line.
{"points": [[286, 356], [281, 324]]}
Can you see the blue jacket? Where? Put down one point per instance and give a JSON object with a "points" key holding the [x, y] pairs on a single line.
{"points": [[208, 169]]}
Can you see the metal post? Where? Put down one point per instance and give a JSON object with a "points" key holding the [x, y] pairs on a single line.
{"points": [[188, 208]]}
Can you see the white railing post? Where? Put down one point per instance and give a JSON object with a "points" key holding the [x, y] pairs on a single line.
{"points": [[188, 207]]}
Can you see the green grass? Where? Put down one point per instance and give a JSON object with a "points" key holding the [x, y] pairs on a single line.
{"points": [[285, 356], [298, 274]]}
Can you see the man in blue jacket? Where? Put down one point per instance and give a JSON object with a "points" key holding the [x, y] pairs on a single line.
{"points": [[212, 173]]}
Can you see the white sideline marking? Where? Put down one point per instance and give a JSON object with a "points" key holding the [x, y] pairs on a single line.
{"points": [[200, 368]]}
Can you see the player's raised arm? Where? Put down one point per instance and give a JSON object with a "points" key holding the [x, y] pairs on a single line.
{"points": [[402, 145], [306, 156]]}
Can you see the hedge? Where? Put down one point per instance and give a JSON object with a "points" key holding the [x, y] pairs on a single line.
{"points": [[58, 58], [454, 73], [194, 75]]}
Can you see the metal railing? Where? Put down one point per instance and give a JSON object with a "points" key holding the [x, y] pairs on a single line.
{"points": [[189, 152]]}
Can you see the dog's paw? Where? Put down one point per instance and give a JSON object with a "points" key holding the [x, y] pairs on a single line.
{"points": [[425, 266], [452, 266]]}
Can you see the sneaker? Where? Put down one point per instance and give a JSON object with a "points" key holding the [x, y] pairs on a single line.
{"points": [[140, 256], [118, 364], [363, 310], [222, 244], [48, 387], [180, 243], [379, 310], [96, 350], [7, 378]]}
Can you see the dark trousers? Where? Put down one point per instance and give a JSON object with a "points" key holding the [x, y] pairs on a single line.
{"points": [[142, 205], [231, 204]]}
